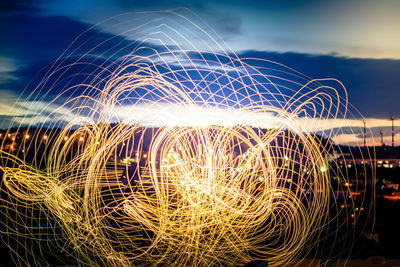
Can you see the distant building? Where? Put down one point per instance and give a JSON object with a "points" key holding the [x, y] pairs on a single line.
{"points": [[379, 163]]}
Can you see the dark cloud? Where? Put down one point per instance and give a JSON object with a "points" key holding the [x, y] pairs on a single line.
{"points": [[32, 38], [371, 83], [224, 23], [34, 41], [9, 8], [159, 4]]}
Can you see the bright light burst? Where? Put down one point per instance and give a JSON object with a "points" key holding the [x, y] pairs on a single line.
{"points": [[159, 158]]}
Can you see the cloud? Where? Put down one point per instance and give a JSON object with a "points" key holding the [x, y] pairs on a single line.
{"points": [[363, 29], [8, 67], [357, 140], [15, 111], [342, 130], [14, 8], [48, 36], [165, 114], [371, 83], [131, 14], [58, 113]]}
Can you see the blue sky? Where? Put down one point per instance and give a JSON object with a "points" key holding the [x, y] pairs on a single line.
{"points": [[357, 41]]}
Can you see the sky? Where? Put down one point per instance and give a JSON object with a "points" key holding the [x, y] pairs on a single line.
{"points": [[354, 41]]}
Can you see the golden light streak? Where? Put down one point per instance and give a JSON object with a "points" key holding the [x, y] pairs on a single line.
{"points": [[197, 194]]}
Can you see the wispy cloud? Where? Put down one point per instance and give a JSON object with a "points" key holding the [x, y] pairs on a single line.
{"points": [[8, 66], [340, 130], [360, 28], [15, 111]]}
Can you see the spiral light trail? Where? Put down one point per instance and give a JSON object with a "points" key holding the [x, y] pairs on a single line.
{"points": [[111, 184]]}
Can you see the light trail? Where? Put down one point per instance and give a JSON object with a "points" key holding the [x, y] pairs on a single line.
{"points": [[206, 191]]}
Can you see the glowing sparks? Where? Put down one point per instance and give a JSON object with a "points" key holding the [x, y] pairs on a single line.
{"points": [[207, 189]]}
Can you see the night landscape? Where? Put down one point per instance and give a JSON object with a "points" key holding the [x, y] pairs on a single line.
{"points": [[200, 133]]}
